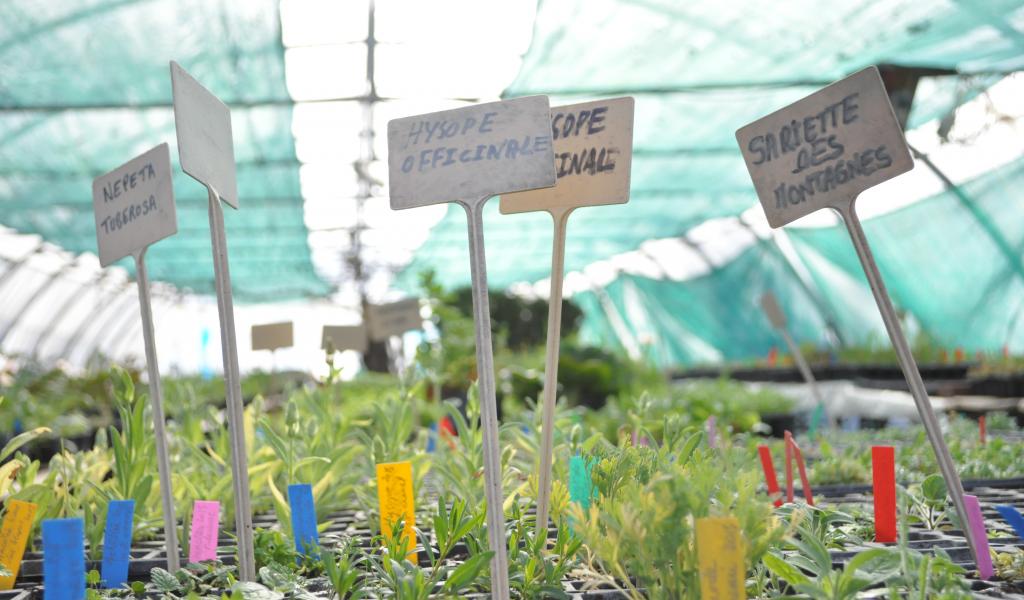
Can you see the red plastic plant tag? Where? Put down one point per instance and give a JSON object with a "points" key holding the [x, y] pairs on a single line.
{"points": [[769, 473], [883, 473], [793, 452], [981, 430], [789, 466]]}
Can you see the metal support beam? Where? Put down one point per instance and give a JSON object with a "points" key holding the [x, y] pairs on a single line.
{"points": [[33, 297], [62, 312], [99, 307]]}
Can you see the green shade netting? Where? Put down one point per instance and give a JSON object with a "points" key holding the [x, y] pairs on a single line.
{"points": [[938, 259], [85, 86], [699, 71]]}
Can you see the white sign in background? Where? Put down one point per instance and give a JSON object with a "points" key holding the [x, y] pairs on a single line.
{"points": [[134, 205], [470, 153], [386, 320], [823, 150], [593, 150], [271, 336], [344, 337], [205, 144]]}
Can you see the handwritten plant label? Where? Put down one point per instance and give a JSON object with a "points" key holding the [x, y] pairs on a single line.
{"points": [[205, 145], [272, 336], [205, 527], [581, 486], [883, 489], [13, 537], [977, 525], [134, 205], [386, 320], [593, 147], [344, 337], [825, 149], [300, 500], [397, 503], [64, 559], [470, 153], [720, 559], [117, 543], [773, 311]]}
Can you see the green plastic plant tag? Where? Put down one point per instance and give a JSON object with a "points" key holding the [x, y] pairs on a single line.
{"points": [[581, 487]]}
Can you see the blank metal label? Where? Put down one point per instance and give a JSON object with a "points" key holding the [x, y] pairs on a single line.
{"points": [[272, 336], [344, 337], [134, 205], [470, 153], [205, 145], [593, 144], [825, 149], [386, 320]]}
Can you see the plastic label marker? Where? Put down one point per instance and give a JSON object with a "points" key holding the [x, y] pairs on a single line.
{"points": [[771, 481], [64, 559], [117, 543], [13, 537], [822, 152], [593, 145], [397, 503], [982, 437], [1012, 516], [977, 527], [581, 487], [466, 156], [205, 527], [300, 499], [883, 474], [720, 558]]}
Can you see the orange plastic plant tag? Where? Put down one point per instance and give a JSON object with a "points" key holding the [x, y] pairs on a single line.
{"points": [[394, 490], [13, 537], [720, 558]]}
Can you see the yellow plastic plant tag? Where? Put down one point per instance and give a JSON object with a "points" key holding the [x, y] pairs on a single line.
{"points": [[394, 490], [720, 559], [13, 537]]}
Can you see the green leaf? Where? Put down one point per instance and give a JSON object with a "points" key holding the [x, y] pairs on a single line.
{"points": [[783, 570], [467, 572], [934, 488], [163, 581], [20, 440], [250, 590]]}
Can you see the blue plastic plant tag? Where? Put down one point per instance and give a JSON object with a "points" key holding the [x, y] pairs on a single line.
{"points": [[851, 423], [64, 559], [581, 488], [117, 542], [432, 438], [1012, 516], [307, 540]]}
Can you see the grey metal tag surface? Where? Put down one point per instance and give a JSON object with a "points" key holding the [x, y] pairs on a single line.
{"points": [[203, 125], [825, 149], [470, 153], [134, 205]]}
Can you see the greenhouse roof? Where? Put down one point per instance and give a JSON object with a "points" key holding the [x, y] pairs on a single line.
{"points": [[699, 71]]}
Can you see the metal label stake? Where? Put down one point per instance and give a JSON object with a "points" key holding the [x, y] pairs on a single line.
{"points": [[821, 152], [777, 318], [206, 151], [593, 154], [466, 156], [134, 207]]}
